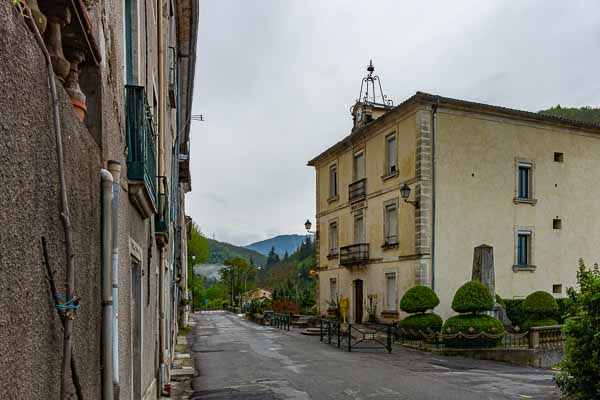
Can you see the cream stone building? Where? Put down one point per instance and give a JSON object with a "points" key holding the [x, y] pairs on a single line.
{"points": [[524, 183]]}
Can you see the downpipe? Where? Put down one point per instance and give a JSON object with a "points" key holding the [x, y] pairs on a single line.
{"points": [[115, 169], [107, 306]]}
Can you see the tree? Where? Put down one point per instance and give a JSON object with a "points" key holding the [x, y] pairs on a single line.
{"points": [[581, 366], [272, 258], [238, 277]]}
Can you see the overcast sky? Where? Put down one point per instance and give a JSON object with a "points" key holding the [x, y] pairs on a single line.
{"points": [[275, 81]]}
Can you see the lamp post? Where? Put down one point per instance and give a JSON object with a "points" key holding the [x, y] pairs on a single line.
{"points": [[405, 194], [193, 281]]}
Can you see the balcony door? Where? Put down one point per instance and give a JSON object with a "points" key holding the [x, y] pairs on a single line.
{"points": [[359, 166], [358, 301], [359, 229]]}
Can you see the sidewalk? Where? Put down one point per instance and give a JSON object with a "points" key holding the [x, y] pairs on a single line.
{"points": [[182, 370]]}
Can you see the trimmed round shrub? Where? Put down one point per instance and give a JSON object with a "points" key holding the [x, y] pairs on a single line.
{"points": [[472, 297], [420, 325], [419, 299], [488, 331], [540, 305], [538, 322]]}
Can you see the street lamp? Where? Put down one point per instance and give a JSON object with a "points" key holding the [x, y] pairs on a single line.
{"points": [[405, 194]]}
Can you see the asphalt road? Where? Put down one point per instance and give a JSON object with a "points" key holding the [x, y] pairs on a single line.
{"points": [[237, 359]]}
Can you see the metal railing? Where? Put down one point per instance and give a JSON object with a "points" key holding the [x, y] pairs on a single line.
{"points": [[547, 337], [358, 190], [161, 225], [357, 336], [141, 146], [281, 321], [354, 254]]}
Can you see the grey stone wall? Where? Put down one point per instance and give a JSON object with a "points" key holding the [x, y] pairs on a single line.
{"points": [[31, 338]]}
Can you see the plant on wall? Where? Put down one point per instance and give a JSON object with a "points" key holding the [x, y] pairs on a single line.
{"points": [[371, 305]]}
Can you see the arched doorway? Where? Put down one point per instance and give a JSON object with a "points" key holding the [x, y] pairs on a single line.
{"points": [[358, 301]]}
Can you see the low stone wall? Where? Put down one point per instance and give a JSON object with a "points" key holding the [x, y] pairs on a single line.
{"points": [[540, 358]]}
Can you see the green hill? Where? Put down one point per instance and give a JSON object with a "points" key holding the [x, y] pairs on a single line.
{"points": [[218, 252], [585, 114]]}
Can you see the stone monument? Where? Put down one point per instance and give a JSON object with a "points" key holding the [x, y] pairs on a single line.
{"points": [[483, 271]]}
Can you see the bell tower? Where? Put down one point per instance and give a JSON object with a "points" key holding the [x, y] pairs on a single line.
{"points": [[371, 103]]}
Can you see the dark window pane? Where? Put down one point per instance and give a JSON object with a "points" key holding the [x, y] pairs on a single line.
{"points": [[523, 182], [523, 250]]}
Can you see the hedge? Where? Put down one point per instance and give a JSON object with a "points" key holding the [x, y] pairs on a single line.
{"points": [[419, 299], [540, 305], [472, 325], [538, 322], [425, 323], [472, 297]]}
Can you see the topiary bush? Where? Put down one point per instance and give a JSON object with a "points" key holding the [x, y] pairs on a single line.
{"points": [[420, 326], [514, 311], [472, 297], [419, 299], [489, 329], [539, 306]]}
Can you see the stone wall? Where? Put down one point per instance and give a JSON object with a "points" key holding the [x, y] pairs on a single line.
{"points": [[31, 339]]}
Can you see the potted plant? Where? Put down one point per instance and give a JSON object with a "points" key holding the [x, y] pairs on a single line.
{"points": [[372, 307]]}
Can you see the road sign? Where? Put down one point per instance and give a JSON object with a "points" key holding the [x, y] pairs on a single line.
{"points": [[206, 302]]}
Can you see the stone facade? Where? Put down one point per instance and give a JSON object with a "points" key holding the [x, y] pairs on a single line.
{"points": [[32, 339], [461, 161]]}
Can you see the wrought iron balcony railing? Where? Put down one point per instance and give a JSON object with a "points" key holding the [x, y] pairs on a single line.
{"points": [[354, 254], [162, 220], [141, 141], [358, 190]]}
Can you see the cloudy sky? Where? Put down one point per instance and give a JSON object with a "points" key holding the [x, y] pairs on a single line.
{"points": [[275, 81]]}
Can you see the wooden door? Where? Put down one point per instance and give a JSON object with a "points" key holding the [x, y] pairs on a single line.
{"points": [[358, 301]]}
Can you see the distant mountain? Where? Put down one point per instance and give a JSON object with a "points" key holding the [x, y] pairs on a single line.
{"points": [[218, 252], [282, 243]]}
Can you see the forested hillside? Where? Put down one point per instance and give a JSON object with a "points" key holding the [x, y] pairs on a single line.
{"points": [[585, 114], [218, 252]]}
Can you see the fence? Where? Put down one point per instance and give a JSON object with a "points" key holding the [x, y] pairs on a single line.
{"points": [[357, 336], [547, 337], [281, 321], [381, 336]]}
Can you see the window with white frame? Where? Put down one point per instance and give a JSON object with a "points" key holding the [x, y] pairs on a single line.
{"points": [[333, 291], [391, 155], [333, 238], [333, 182], [524, 180], [390, 223], [524, 247], [391, 296]]}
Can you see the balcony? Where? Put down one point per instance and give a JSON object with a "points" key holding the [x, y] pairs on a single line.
{"points": [[354, 254], [162, 220], [141, 151], [357, 191]]}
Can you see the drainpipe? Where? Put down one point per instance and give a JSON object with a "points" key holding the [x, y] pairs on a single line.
{"points": [[107, 306], [433, 192], [115, 169]]}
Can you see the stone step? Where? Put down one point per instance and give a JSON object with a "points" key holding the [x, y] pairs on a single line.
{"points": [[311, 332]]}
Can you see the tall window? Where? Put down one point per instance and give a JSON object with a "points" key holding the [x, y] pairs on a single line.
{"points": [[359, 229], [131, 31], [391, 297], [524, 180], [391, 155], [359, 166], [390, 223], [333, 182], [333, 291], [524, 248], [333, 238]]}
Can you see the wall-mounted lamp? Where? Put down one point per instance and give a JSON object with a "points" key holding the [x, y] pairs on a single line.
{"points": [[308, 225], [405, 194]]}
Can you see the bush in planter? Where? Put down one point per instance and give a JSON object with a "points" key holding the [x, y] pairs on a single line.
{"points": [[474, 329], [418, 300], [488, 329], [472, 297], [540, 308]]}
